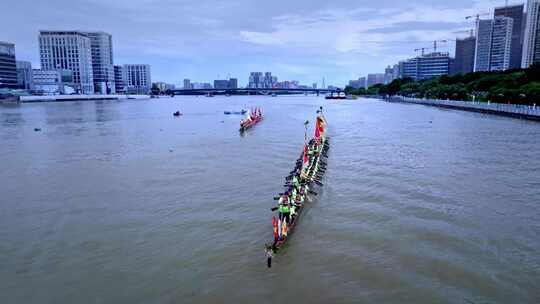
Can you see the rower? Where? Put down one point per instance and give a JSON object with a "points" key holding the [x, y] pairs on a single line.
{"points": [[285, 212]]}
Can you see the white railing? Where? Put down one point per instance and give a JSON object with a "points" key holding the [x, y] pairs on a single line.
{"points": [[488, 106]]}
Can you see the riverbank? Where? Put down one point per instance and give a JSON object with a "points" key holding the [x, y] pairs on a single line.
{"points": [[509, 110], [50, 98]]}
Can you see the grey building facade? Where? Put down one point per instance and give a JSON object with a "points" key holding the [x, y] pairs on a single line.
{"points": [[25, 75], [501, 44], [102, 62], [137, 78], [187, 84], [8, 66], [465, 50], [221, 84], [233, 83], [515, 12], [531, 37], [426, 66], [69, 50], [119, 86], [482, 51], [373, 79]]}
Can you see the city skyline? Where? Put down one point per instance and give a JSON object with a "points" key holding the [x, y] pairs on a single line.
{"points": [[335, 41]]}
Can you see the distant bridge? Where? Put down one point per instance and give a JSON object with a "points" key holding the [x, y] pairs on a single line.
{"points": [[250, 91]]}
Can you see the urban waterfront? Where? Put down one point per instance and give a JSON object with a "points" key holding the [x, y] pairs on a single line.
{"points": [[120, 202]]}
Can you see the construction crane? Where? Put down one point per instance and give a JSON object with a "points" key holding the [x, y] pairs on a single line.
{"points": [[435, 43], [422, 49], [477, 16]]}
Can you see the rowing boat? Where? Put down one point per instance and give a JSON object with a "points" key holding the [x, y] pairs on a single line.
{"points": [[313, 168], [251, 120]]}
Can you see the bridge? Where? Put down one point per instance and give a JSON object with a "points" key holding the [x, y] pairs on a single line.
{"points": [[250, 91]]}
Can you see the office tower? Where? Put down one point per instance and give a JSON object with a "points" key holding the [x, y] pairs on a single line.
{"points": [[501, 44], [388, 75], [24, 75], [515, 12], [465, 49], [531, 39], [8, 66], [426, 66], [221, 84], [482, 51], [119, 86], [373, 79], [137, 78], [69, 50], [102, 62], [233, 83], [187, 84], [357, 84]]}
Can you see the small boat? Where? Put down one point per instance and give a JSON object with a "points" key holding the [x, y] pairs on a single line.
{"points": [[177, 113], [235, 112], [336, 95], [251, 120], [312, 168]]}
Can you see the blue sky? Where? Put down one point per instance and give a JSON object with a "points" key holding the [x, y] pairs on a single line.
{"points": [[301, 40]]}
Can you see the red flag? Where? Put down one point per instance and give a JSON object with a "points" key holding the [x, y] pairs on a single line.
{"points": [[306, 159], [318, 129]]}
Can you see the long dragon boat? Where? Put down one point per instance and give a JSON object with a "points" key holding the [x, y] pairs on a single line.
{"points": [[307, 173], [252, 118]]}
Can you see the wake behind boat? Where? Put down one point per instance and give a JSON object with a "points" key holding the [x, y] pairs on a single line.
{"points": [[252, 118], [308, 171]]}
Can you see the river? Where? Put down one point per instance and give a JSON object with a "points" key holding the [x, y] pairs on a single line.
{"points": [[120, 202]]}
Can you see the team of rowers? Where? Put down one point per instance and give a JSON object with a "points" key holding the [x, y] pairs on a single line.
{"points": [[302, 176], [251, 115]]}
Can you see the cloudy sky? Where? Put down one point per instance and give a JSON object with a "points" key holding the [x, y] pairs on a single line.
{"points": [[303, 40]]}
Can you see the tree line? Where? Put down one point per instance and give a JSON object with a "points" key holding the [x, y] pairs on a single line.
{"points": [[521, 86]]}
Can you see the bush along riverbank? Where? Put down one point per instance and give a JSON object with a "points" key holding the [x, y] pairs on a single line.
{"points": [[513, 86]]}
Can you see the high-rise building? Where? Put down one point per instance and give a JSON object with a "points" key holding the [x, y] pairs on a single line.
{"points": [[8, 66], [501, 44], [373, 79], [465, 55], [187, 84], [68, 50], [256, 80], [233, 83], [102, 62], [396, 74], [119, 86], [357, 84], [515, 12], [426, 66], [531, 37], [137, 78], [221, 84], [25, 75], [484, 29], [388, 75]]}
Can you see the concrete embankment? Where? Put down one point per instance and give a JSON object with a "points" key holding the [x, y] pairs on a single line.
{"points": [[509, 110], [52, 98]]}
